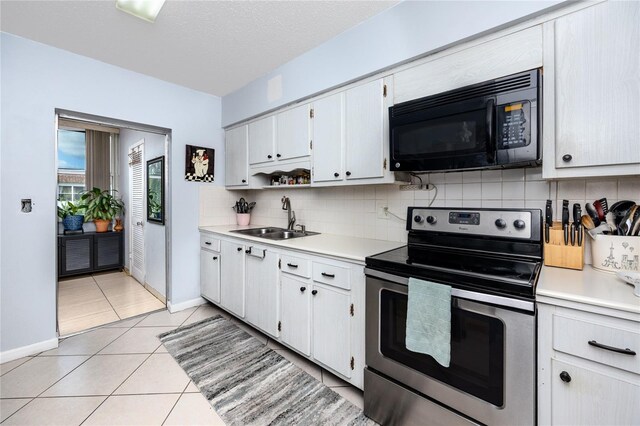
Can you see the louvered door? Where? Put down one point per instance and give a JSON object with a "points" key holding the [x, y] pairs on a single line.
{"points": [[136, 201]]}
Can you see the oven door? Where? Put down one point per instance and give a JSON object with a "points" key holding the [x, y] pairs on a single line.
{"points": [[452, 136], [491, 377]]}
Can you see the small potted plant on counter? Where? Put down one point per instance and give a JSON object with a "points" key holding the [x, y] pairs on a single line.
{"points": [[71, 215], [102, 207]]}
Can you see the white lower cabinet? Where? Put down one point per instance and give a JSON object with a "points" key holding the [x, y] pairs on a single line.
{"points": [[295, 313], [331, 327], [210, 275], [588, 367], [312, 304], [232, 280], [262, 289]]}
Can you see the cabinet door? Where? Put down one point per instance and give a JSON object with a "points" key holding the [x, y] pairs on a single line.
{"points": [[75, 255], [107, 249], [236, 161], [262, 289], [331, 328], [261, 140], [364, 126], [292, 133], [592, 398], [295, 313], [210, 275], [232, 277], [328, 136], [597, 85]]}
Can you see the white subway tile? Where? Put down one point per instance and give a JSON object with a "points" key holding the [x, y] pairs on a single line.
{"points": [[453, 191], [513, 175], [571, 189], [536, 190], [491, 190], [513, 204], [491, 176], [601, 189], [471, 191], [453, 203], [369, 192], [533, 173], [455, 177], [491, 204], [629, 189], [471, 203], [471, 177], [436, 178], [513, 190]]}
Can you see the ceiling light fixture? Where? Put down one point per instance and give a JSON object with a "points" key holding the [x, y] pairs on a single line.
{"points": [[143, 9]]}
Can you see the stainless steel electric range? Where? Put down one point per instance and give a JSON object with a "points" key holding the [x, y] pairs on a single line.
{"points": [[491, 258]]}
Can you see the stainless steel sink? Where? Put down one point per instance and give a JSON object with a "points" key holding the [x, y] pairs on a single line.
{"points": [[272, 233]]}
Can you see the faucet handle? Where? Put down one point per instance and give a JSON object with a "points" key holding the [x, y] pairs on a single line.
{"points": [[302, 228]]}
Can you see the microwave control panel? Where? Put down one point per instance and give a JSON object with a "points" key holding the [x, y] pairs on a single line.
{"points": [[514, 130]]}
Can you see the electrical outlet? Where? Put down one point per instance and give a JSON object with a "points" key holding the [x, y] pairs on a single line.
{"points": [[417, 187], [383, 212]]}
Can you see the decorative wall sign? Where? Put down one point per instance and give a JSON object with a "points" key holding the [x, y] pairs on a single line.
{"points": [[199, 164]]}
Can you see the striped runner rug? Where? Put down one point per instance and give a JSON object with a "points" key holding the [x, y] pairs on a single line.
{"points": [[247, 383]]}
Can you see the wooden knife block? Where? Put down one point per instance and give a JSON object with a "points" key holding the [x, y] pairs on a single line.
{"points": [[557, 254]]}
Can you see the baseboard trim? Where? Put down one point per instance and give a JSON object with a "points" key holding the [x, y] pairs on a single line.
{"points": [[155, 293], [23, 351], [176, 307]]}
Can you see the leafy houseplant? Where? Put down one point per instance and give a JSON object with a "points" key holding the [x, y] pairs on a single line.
{"points": [[102, 207], [71, 215]]}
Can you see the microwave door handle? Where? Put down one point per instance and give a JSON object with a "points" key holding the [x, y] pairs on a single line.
{"points": [[491, 141]]}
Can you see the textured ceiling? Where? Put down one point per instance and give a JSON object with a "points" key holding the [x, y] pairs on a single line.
{"points": [[211, 46]]}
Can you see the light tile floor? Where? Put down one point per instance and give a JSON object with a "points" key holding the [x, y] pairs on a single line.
{"points": [[94, 300], [120, 374]]}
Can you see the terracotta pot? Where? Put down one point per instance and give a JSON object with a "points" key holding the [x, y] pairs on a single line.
{"points": [[102, 225], [118, 226]]}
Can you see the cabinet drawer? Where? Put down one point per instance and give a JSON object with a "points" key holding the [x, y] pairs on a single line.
{"points": [[295, 265], [572, 336], [209, 242], [336, 276]]}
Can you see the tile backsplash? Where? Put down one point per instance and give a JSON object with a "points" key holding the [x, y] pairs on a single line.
{"points": [[358, 210]]}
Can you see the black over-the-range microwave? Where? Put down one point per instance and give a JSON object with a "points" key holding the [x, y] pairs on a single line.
{"points": [[495, 124]]}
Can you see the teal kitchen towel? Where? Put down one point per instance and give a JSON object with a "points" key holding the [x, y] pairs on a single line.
{"points": [[429, 320]]}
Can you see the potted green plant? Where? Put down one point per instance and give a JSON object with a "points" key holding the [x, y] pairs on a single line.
{"points": [[102, 207], [71, 215]]}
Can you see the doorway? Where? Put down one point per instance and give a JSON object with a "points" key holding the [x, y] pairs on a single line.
{"points": [[99, 292]]}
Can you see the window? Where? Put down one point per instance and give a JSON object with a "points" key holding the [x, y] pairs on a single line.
{"points": [[71, 164]]}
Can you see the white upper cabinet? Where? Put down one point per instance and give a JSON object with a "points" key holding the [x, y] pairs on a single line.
{"points": [[462, 66], [328, 137], [350, 136], [592, 92], [236, 161], [293, 133], [365, 135], [280, 142], [262, 140]]}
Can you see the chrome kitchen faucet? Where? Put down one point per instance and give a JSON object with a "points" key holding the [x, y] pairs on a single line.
{"points": [[291, 215]]}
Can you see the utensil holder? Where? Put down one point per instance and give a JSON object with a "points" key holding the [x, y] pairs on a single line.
{"points": [[557, 254], [243, 219], [613, 253]]}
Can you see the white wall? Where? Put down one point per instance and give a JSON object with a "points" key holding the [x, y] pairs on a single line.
{"points": [[36, 79], [408, 30], [154, 233]]}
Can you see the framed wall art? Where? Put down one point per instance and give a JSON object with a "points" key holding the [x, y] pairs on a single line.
{"points": [[199, 164]]}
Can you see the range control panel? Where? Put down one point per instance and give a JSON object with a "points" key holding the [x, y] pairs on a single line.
{"points": [[523, 223]]}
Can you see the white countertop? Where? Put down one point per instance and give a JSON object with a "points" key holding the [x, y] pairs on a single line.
{"points": [[340, 246], [588, 286]]}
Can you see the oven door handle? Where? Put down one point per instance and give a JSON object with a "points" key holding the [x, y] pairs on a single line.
{"points": [[462, 294]]}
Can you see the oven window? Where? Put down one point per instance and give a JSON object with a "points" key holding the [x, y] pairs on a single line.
{"points": [[452, 135], [477, 349]]}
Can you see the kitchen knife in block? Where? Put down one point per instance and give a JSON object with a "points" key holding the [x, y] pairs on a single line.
{"points": [[557, 254]]}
